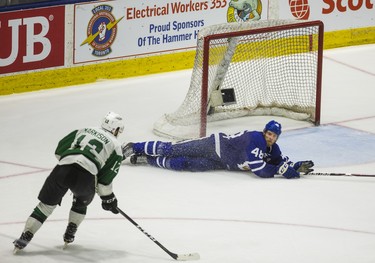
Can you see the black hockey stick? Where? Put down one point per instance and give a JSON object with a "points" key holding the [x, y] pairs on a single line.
{"points": [[182, 257], [342, 174]]}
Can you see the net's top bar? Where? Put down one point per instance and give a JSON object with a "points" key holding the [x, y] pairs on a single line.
{"points": [[253, 26]]}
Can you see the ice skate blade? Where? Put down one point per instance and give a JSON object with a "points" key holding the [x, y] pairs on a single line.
{"points": [[15, 250], [65, 246]]}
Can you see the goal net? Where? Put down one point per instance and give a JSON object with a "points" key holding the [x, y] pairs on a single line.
{"points": [[270, 67]]}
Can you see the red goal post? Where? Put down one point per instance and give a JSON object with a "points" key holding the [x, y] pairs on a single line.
{"points": [[267, 67]]}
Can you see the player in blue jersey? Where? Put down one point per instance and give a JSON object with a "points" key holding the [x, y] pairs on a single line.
{"points": [[255, 151]]}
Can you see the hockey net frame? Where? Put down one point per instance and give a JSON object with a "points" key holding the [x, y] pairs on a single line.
{"points": [[193, 124]]}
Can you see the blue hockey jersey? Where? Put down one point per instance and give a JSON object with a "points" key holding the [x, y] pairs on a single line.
{"points": [[248, 150], [243, 151]]}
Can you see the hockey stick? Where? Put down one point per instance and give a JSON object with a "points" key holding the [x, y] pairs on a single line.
{"points": [[181, 257], [342, 174]]}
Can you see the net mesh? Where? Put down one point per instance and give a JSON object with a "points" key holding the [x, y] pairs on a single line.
{"points": [[271, 67]]}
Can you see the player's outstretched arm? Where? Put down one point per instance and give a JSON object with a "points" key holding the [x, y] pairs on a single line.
{"points": [[287, 171], [303, 166]]}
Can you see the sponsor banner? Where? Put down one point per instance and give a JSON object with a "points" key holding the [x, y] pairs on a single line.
{"points": [[115, 29], [32, 39], [335, 14]]}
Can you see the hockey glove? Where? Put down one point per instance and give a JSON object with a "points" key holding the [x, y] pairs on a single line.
{"points": [[287, 171], [303, 166], [109, 203]]}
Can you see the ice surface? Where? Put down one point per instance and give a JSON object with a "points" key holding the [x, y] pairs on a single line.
{"points": [[224, 216]]}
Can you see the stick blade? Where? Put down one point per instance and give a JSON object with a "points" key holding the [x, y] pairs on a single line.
{"points": [[186, 257]]}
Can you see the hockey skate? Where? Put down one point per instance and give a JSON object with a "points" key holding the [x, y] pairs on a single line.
{"points": [[22, 242], [138, 159], [71, 230], [127, 150]]}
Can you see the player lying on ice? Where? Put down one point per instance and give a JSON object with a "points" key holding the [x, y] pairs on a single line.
{"points": [[255, 151]]}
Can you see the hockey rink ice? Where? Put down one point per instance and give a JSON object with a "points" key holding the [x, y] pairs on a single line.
{"points": [[226, 217]]}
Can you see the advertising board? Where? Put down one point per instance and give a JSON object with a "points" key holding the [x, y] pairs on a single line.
{"points": [[335, 14], [32, 39], [132, 28]]}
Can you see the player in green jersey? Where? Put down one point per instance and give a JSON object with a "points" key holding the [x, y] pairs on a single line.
{"points": [[89, 159]]}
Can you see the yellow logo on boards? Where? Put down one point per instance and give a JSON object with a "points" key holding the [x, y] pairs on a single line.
{"points": [[244, 10], [101, 30]]}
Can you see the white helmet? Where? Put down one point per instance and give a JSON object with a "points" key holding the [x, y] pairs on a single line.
{"points": [[113, 122]]}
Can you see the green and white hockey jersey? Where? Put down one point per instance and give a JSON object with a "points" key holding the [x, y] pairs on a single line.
{"points": [[95, 149]]}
